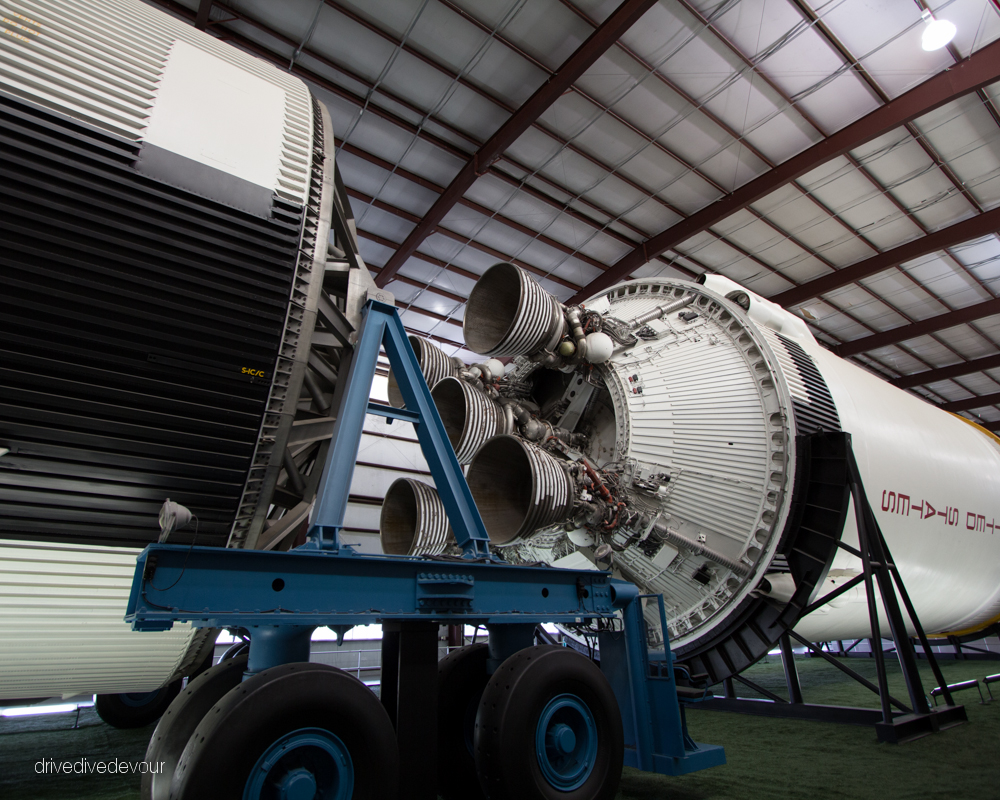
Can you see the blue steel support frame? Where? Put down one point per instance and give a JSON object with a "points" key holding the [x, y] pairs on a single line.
{"points": [[381, 327], [281, 597], [656, 737]]}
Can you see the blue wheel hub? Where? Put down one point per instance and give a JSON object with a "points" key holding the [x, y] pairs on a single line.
{"points": [[566, 742], [306, 764]]}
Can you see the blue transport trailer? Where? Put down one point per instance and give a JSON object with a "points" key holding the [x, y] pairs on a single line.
{"points": [[507, 719]]}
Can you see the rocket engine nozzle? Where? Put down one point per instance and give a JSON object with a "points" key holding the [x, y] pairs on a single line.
{"points": [[471, 418], [519, 488], [414, 521], [509, 314], [434, 364]]}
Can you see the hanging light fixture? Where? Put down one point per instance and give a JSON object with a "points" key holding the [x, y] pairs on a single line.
{"points": [[937, 33], [173, 516]]}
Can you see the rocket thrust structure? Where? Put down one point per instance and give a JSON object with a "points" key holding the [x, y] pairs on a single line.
{"points": [[659, 430]]}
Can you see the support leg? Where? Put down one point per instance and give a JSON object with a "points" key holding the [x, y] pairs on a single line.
{"points": [[416, 710], [273, 645], [505, 640], [390, 669], [791, 673]]}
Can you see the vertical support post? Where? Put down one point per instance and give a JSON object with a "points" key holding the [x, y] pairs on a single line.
{"points": [[389, 684], [416, 710], [883, 684], [505, 640], [272, 645], [638, 672], [958, 648], [350, 406], [729, 688], [926, 645], [791, 673]]}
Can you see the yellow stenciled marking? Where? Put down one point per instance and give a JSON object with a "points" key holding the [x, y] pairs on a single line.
{"points": [[254, 373], [26, 19], [22, 27], [16, 35]]}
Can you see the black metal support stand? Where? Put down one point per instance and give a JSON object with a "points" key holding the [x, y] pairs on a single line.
{"points": [[416, 709], [791, 673], [389, 683], [879, 574], [878, 565]]}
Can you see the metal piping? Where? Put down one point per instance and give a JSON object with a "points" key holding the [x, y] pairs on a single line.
{"points": [[698, 549], [661, 311]]}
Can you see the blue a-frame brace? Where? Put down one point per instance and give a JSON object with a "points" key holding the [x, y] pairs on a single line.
{"points": [[381, 327], [281, 597]]}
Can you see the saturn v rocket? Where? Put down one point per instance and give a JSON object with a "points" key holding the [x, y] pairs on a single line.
{"points": [[658, 430]]}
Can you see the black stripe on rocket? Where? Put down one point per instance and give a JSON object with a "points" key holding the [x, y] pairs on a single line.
{"points": [[819, 413]]}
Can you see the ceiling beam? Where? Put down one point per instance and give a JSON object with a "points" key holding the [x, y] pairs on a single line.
{"points": [[915, 329], [946, 373], [981, 225], [978, 70], [972, 402], [204, 11], [623, 18]]}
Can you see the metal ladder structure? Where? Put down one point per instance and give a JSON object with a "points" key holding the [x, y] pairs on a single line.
{"points": [[549, 719]]}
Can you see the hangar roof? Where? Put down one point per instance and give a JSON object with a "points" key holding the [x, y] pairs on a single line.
{"points": [[811, 151]]}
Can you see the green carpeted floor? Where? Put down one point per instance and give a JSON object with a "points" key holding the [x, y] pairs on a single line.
{"points": [[768, 759], [771, 759]]}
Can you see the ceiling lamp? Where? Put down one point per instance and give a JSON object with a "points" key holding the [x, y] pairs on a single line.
{"points": [[937, 33]]}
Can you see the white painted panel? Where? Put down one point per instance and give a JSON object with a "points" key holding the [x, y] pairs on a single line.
{"points": [[219, 115], [102, 62]]}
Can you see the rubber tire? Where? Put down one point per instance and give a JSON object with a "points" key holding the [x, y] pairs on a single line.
{"points": [[117, 713], [180, 720], [462, 678], [509, 712], [228, 742]]}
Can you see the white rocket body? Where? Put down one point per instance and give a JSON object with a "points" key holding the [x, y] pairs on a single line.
{"points": [[203, 123], [933, 481], [931, 478], [706, 427]]}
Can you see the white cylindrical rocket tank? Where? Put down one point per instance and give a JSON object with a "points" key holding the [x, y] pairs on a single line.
{"points": [[699, 421], [166, 242], [931, 478]]}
